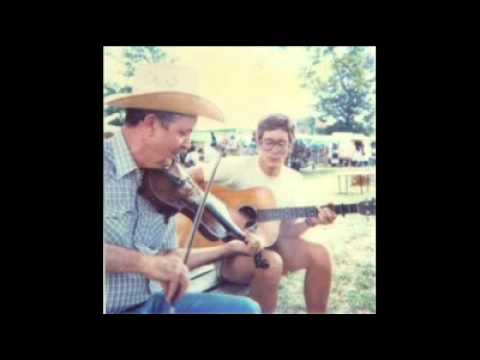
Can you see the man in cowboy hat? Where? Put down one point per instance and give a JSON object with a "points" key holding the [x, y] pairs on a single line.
{"points": [[139, 246]]}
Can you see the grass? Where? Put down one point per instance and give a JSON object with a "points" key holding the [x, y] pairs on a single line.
{"points": [[351, 244]]}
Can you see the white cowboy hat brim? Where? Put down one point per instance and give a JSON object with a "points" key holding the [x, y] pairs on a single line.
{"points": [[179, 102]]}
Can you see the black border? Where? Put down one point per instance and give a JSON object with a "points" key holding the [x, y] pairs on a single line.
{"points": [[88, 142]]}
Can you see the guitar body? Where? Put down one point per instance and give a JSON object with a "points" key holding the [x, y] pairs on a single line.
{"points": [[242, 205]]}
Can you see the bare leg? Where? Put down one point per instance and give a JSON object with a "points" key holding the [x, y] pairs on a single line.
{"points": [[300, 254], [263, 282]]}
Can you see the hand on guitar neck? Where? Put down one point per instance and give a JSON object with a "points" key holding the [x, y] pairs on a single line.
{"points": [[325, 216]]}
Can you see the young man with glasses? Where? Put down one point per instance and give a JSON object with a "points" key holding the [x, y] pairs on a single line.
{"points": [[285, 248]]}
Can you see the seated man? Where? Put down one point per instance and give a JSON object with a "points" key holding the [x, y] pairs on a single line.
{"points": [[286, 251], [139, 244]]}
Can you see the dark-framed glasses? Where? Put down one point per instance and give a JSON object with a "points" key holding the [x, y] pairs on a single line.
{"points": [[268, 144]]}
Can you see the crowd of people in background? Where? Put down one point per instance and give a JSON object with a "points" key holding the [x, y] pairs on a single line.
{"points": [[226, 146], [303, 155]]}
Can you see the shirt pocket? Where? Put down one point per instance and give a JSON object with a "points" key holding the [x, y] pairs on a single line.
{"points": [[153, 233], [119, 226]]}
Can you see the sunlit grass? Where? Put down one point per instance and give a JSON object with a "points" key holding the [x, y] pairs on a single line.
{"points": [[351, 244]]}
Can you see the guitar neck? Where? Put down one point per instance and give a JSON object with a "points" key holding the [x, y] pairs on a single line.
{"points": [[302, 212]]}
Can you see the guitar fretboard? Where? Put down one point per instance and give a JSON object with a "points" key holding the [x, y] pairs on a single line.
{"points": [[301, 212]]}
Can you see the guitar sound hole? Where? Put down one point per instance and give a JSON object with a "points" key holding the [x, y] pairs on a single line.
{"points": [[250, 214]]}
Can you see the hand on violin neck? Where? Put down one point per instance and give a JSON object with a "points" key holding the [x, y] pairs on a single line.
{"points": [[235, 247], [255, 241], [252, 245]]}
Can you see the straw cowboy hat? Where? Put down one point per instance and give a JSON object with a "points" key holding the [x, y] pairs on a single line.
{"points": [[166, 87]]}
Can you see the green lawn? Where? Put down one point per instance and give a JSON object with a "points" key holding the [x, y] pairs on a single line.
{"points": [[351, 243]]}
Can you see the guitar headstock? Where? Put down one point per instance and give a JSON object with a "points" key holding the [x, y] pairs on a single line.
{"points": [[367, 207]]}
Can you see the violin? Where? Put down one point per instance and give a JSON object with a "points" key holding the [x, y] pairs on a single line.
{"points": [[172, 190]]}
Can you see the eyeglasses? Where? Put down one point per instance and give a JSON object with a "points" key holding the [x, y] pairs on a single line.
{"points": [[268, 145]]}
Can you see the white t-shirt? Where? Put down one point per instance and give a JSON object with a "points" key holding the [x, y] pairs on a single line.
{"points": [[244, 172]]}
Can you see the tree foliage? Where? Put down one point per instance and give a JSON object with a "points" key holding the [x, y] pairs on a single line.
{"points": [[130, 57], [346, 99]]}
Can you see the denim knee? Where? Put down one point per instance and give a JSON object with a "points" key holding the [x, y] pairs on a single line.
{"points": [[248, 306]]}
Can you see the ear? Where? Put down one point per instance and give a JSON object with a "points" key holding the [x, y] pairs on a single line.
{"points": [[290, 147], [149, 123]]}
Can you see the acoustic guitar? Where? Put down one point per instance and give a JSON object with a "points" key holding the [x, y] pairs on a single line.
{"points": [[257, 205]]}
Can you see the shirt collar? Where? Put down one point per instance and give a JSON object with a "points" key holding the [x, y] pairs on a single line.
{"points": [[123, 159]]}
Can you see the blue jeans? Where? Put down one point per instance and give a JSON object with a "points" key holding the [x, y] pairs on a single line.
{"points": [[199, 303]]}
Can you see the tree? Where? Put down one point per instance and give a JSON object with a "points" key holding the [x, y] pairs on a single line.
{"points": [[135, 55], [130, 57], [346, 97], [308, 123]]}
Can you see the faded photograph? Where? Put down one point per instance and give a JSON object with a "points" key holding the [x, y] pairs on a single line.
{"points": [[239, 180]]}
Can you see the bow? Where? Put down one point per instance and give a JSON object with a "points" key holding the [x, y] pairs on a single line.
{"points": [[198, 215], [196, 223]]}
